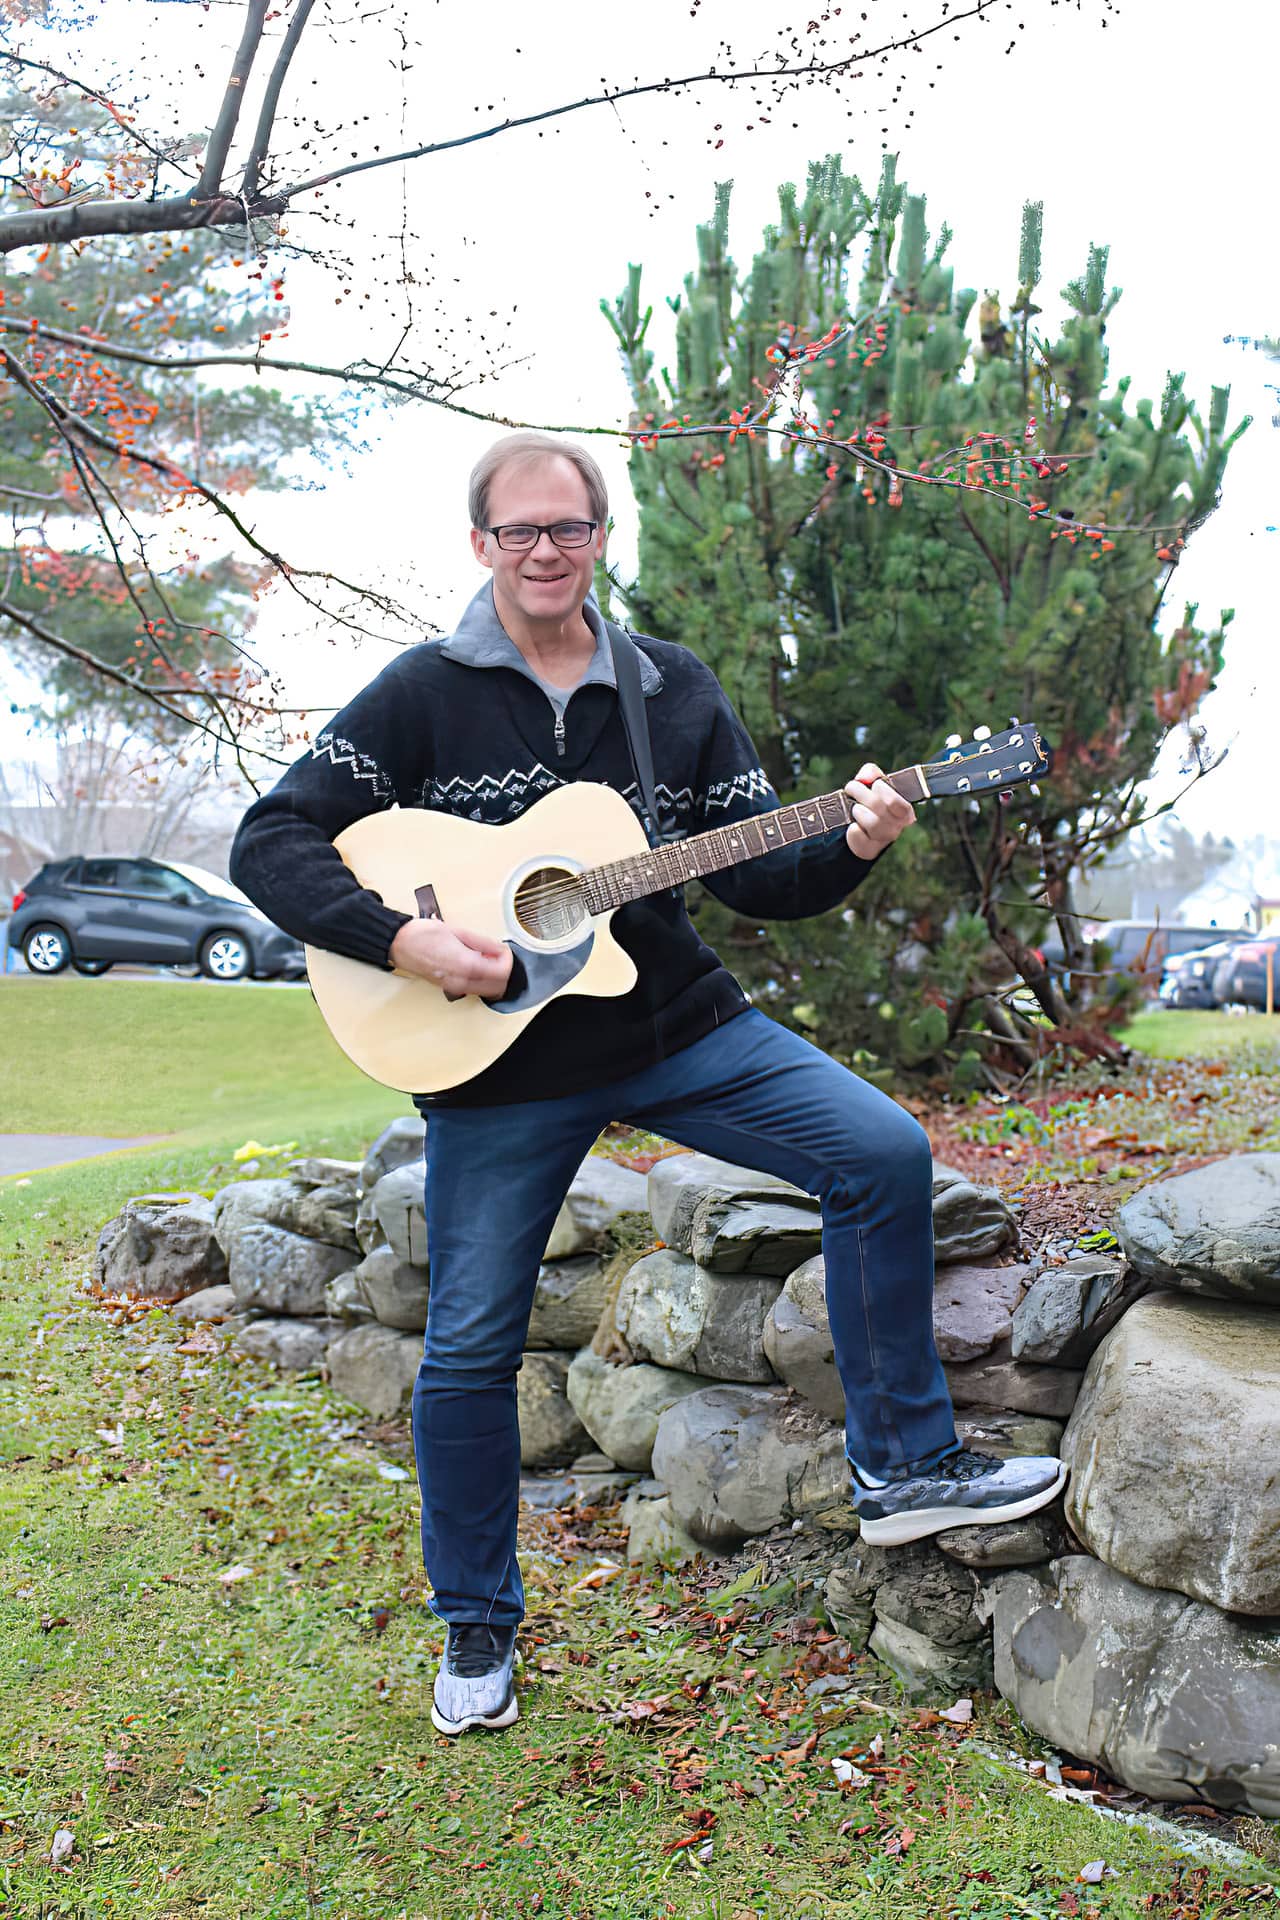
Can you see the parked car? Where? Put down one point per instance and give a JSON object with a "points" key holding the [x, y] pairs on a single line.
{"points": [[1188, 978], [1240, 979], [1142, 947], [90, 913]]}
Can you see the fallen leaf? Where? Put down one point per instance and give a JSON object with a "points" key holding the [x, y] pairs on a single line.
{"points": [[1092, 1873], [794, 1755], [876, 1748], [598, 1576], [959, 1715], [64, 1841], [230, 1576], [848, 1775]]}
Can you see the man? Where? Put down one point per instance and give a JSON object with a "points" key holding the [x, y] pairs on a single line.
{"points": [[521, 699]]}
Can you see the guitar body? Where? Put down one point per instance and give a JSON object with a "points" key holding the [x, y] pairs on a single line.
{"points": [[403, 1030]]}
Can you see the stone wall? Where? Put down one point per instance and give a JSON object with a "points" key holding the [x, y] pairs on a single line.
{"points": [[700, 1363]]}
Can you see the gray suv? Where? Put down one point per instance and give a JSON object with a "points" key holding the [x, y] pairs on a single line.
{"points": [[91, 913]]}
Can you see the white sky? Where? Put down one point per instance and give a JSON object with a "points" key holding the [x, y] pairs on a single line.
{"points": [[1152, 135]]}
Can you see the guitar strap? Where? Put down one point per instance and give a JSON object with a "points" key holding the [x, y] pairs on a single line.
{"points": [[626, 668]]}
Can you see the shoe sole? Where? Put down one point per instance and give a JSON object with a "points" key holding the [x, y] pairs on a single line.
{"points": [[899, 1529], [488, 1722]]}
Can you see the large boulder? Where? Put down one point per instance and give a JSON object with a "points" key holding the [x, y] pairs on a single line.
{"points": [[600, 1193], [375, 1367], [326, 1204], [345, 1300], [551, 1434], [1007, 1434], [298, 1345], [395, 1292], [973, 1308], [972, 1315], [210, 1303], [160, 1246], [1215, 1231], [398, 1145], [998, 1380], [1030, 1542], [798, 1343], [620, 1406], [654, 1533], [568, 1301], [677, 1314], [739, 1460], [1068, 1309], [968, 1221], [281, 1272], [398, 1206], [1174, 1698], [745, 1234], [922, 1613], [681, 1182], [317, 1199], [1173, 1450]]}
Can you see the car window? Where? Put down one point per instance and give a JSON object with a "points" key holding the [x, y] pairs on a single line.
{"points": [[98, 873], [138, 876]]}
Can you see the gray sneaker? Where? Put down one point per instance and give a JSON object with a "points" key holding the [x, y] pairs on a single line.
{"points": [[475, 1685], [963, 1489]]}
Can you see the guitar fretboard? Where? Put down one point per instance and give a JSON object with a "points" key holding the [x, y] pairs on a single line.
{"points": [[657, 868]]}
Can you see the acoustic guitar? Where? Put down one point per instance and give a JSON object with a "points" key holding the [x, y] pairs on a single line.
{"points": [[548, 884]]}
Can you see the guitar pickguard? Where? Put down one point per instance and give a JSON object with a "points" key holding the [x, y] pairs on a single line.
{"points": [[545, 974]]}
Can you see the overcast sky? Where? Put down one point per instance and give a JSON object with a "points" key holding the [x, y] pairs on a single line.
{"points": [[1152, 135]]}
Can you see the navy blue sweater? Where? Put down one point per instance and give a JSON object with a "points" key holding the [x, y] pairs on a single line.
{"points": [[479, 739]]}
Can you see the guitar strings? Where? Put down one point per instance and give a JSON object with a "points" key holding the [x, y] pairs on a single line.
{"points": [[566, 888]]}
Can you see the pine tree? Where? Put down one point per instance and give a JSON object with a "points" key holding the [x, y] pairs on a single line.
{"points": [[854, 615]]}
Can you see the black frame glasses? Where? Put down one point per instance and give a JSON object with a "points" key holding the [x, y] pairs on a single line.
{"points": [[527, 526]]}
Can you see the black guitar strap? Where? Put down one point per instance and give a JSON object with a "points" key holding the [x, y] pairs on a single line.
{"points": [[626, 668]]}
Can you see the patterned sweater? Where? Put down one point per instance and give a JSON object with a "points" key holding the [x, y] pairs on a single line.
{"points": [[463, 727]]}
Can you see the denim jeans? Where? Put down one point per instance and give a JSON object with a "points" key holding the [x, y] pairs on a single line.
{"points": [[750, 1092]]}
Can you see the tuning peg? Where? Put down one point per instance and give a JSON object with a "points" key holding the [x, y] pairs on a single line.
{"points": [[1014, 720], [982, 733], [1033, 788], [953, 741]]}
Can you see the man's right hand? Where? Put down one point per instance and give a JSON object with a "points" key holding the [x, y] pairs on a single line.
{"points": [[452, 958]]}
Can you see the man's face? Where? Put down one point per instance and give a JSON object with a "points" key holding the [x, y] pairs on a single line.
{"points": [[544, 583]]}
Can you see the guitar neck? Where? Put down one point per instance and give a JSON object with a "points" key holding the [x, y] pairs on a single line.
{"points": [[674, 865]]}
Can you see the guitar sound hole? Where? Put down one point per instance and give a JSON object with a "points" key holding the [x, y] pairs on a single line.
{"points": [[549, 904]]}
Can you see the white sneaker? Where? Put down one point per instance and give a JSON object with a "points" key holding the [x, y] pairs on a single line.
{"points": [[475, 1686]]}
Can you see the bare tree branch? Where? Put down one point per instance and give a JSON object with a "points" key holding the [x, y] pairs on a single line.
{"points": [[271, 101], [215, 154], [217, 203]]}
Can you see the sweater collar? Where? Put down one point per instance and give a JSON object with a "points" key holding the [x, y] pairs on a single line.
{"points": [[481, 640]]}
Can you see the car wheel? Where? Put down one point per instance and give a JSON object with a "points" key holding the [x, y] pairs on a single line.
{"points": [[226, 956], [46, 949], [93, 968]]}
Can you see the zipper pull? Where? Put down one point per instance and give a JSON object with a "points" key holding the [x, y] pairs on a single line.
{"points": [[560, 735]]}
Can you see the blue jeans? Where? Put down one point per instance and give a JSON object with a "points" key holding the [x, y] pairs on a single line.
{"points": [[750, 1092]]}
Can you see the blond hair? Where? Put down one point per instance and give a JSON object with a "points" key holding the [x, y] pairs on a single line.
{"points": [[525, 450]]}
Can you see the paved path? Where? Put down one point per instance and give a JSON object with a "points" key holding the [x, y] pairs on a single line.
{"points": [[30, 1152]]}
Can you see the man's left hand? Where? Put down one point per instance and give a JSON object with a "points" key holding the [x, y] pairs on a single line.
{"points": [[879, 814]]}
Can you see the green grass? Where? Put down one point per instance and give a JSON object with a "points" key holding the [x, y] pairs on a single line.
{"points": [[127, 1057], [261, 1750], [1171, 1035]]}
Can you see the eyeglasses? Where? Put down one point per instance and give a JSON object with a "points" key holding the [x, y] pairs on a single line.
{"points": [[519, 537]]}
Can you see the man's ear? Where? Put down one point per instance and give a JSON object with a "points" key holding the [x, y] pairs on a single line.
{"points": [[480, 546]]}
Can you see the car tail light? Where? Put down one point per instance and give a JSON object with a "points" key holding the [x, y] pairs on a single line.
{"points": [[18, 899]]}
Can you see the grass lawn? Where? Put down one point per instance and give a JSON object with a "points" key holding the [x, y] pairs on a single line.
{"points": [[216, 1653], [1174, 1035]]}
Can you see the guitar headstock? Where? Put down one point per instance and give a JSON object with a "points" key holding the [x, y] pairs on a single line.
{"points": [[989, 762]]}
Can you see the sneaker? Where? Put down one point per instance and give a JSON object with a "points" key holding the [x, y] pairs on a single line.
{"points": [[475, 1685], [963, 1489]]}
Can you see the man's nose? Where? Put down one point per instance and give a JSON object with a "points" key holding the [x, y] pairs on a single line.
{"points": [[544, 546]]}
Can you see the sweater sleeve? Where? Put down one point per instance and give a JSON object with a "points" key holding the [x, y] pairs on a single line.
{"points": [[283, 856], [788, 883]]}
